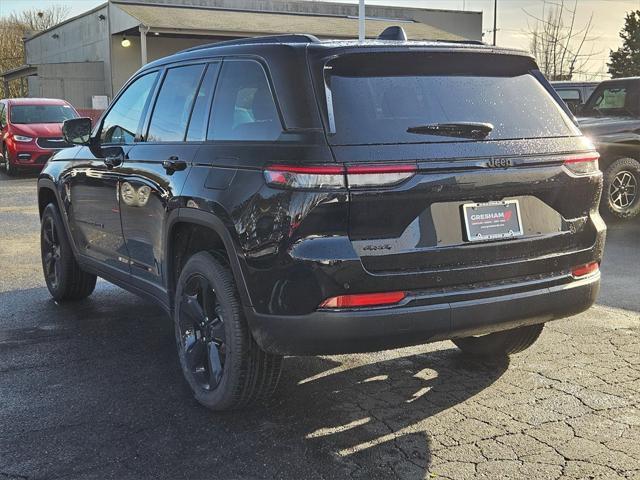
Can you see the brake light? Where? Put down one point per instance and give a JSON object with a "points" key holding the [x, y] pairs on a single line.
{"points": [[336, 176], [305, 177], [364, 300], [584, 270], [362, 176], [583, 164]]}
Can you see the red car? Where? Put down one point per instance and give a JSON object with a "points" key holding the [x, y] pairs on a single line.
{"points": [[31, 131]]}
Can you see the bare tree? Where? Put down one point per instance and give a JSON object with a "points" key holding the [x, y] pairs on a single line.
{"points": [[14, 28], [558, 43], [36, 20]]}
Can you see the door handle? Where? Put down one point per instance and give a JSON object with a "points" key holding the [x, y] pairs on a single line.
{"points": [[173, 164], [113, 161]]}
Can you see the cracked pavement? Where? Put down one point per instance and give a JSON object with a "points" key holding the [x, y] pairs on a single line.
{"points": [[94, 391]]}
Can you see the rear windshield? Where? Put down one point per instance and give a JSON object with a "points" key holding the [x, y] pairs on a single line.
{"points": [[25, 114], [378, 98]]}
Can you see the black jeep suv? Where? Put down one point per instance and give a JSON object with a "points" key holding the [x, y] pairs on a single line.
{"points": [[284, 195]]}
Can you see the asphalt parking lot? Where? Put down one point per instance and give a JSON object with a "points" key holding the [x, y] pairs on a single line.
{"points": [[94, 390]]}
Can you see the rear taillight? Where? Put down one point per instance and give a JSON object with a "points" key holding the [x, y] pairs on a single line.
{"points": [[583, 164], [364, 300], [584, 270], [363, 176], [333, 177], [306, 177]]}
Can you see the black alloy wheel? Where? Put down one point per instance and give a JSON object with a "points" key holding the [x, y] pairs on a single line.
{"points": [[62, 273], [51, 250], [202, 332], [221, 362]]}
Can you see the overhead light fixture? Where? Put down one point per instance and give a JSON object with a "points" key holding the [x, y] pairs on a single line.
{"points": [[126, 43], [156, 33]]}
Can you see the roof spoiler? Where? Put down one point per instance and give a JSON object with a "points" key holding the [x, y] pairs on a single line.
{"points": [[393, 33]]}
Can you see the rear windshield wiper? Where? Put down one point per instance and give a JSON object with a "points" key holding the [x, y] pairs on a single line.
{"points": [[474, 130]]}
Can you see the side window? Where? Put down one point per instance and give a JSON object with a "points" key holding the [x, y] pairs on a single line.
{"points": [[243, 107], [570, 95], [121, 123], [198, 124], [3, 116], [173, 107]]}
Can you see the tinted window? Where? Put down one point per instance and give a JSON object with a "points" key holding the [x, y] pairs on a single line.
{"points": [[243, 108], [121, 123], [173, 107], [199, 117], [569, 95], [614, 99], [25, 114], [376, 99], [3, 115]]}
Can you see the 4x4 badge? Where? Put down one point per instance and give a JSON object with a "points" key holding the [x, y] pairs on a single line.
{"points": [[499, 163]]}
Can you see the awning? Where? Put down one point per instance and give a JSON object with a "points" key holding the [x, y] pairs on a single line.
{"points": [[238, 23]]}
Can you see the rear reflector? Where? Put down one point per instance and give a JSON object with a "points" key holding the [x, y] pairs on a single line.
{"points": [[364, 300], [584, 270], [306, 177], [362, 176], [583, 164]]}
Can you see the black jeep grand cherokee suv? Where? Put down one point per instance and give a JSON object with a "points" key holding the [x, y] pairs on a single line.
{"points": [[284, 195]]}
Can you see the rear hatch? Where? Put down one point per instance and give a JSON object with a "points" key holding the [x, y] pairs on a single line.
{"points": [[457, 162]]}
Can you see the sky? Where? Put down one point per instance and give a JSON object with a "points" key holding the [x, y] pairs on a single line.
{"points": [[514, 19]]}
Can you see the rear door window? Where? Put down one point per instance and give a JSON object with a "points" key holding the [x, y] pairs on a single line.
{"points": [[378, 98], [243, 107], [173, 107], [199, 117]]}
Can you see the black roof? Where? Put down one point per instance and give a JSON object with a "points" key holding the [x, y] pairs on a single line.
{"points": [[250, 46]]}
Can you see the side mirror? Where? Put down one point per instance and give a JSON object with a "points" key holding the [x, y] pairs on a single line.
{"points": [[77, 131]]}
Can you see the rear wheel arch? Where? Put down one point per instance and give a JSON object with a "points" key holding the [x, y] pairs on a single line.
{"points": [[192, 231]]}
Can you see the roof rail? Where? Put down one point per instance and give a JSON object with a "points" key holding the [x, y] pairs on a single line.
{"points": [[293, 38]]}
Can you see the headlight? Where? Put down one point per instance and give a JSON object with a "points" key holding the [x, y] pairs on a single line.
{"points": [[22, 138]]}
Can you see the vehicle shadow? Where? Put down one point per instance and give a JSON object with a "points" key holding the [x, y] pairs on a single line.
{"points": [[94, 390]]}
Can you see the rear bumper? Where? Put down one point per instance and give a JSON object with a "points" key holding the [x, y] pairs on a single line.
{"points": [[333, 332]]}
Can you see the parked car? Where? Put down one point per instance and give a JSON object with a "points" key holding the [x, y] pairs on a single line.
{"points": [[574, 94], [611, 118], [31, 131], [287, 196]]}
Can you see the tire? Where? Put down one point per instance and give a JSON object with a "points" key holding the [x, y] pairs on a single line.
{"points": [[223, 365], [621, 189], [8, 168], [500, 344], [65, 280]]}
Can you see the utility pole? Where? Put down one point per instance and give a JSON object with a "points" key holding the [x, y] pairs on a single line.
{"points": [[361, 26], [495, 20]]}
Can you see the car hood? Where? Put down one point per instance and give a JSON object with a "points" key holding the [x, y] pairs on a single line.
{"points": [[38, 129], [598, 126]]}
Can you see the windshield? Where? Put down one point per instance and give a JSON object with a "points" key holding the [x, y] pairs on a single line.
{"points": [[392, 99], [613, 100], [26, 114]]}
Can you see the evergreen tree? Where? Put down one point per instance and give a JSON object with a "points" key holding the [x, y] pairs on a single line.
{"points": [[625, 61]]}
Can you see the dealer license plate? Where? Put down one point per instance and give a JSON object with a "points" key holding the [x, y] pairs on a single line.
{"points": [[492, 220]]}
